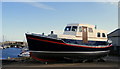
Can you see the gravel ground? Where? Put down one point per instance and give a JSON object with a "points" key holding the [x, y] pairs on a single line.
{"points": [[110, 62]]}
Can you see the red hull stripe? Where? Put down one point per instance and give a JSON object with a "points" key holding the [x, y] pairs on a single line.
{"points": [[44, 60], [65, 43]]}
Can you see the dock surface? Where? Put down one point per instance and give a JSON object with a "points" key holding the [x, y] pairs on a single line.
{"points": [[111, 63]]}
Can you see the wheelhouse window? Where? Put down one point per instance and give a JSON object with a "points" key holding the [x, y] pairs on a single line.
{"points": [[98, 34], [80, 29], [68, 28], [103, 35], [90, 30], [74, 28]]}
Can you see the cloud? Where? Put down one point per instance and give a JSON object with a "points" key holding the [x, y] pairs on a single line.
{"points": [[40, 5], [35, 3]]}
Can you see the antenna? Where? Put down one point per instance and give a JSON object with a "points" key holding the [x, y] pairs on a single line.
{"points": [[95, 26], [3, 41]]}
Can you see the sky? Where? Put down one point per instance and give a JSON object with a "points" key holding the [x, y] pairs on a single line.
{"points": [[21, 17], [0, 22]]}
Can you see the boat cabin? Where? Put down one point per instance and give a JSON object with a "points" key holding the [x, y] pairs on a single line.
{"points": [[84, 32]]}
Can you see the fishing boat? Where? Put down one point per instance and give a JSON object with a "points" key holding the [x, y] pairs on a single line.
{"points": [[24, 54], [78, 41]]}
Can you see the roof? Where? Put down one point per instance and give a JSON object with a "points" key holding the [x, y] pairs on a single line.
{"points": [[77, 24], [115, 33]]}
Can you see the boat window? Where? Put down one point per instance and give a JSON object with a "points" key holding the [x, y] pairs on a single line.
{"points": [[74, 28], [98, 34], [90, 30], [68, 28], [80, 29], [103, 35]]}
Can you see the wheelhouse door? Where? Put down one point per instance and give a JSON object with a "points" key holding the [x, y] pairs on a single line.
{"points": [[84, 34]]}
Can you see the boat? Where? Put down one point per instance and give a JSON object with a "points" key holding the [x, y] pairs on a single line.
{"points": [[78, 42], [24, 54], [1, 47]]}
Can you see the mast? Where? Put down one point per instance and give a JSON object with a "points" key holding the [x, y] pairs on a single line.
{"points": [[3, 41]]}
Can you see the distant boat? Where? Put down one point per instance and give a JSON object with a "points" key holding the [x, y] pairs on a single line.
{"points": [[1, 47], [79, 41], [24, 54]]}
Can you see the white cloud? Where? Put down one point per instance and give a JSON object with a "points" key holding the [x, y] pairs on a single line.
{"points": [[40, 5], [35, 3]]}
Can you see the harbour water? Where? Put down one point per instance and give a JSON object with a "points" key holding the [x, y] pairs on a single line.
{"points": [[9, 53]]}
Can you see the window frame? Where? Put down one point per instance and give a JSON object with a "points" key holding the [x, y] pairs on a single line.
{"points": [[74, 29], [68, 27], [80, 29], [103, 35], [98, 34], [90, 30]]}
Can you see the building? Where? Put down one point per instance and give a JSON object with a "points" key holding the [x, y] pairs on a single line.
{"points": [[8, 44], [115, 37]]}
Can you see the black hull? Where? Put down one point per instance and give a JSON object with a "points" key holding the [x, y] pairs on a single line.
{"points": [[58, 56], [47, 48]]}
